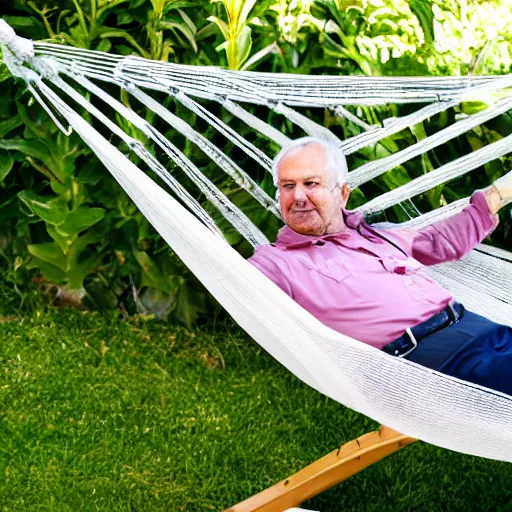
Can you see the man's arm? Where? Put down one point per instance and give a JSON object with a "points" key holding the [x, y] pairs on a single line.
{"points": [[450, 239]]}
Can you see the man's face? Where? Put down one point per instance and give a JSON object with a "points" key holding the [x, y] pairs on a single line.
{"points": [[310, 200]]}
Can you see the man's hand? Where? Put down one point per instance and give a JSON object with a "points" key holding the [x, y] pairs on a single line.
{"points": [[499, 194], [504, 187]]}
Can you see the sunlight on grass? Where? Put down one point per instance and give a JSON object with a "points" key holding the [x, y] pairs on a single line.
{"points": [[107, 413]]}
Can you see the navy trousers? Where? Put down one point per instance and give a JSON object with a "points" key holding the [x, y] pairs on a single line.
{"points": [[474, 349]]}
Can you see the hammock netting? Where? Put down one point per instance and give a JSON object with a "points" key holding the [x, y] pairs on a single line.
{"points": [[412, 399]]}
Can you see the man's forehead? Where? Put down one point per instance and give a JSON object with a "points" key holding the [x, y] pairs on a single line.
{"points": [[307, 161], [304, 176]]}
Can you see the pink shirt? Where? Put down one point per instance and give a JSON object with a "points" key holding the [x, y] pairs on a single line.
{"points": [[363, 286]]}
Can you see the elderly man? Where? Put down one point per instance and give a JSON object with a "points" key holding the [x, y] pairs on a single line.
{"points": [[364, 282]]}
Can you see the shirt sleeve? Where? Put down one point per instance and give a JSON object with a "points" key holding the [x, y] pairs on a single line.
{"points": [[272, 267], [450, 239]]}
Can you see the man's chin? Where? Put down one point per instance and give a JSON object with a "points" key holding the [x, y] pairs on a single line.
{"points": [[305, 229]]}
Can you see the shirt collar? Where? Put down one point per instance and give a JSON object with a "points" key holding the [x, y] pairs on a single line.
{"points": [[289, 239]]}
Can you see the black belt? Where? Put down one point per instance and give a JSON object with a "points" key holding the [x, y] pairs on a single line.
{"points": [[408, 342]]}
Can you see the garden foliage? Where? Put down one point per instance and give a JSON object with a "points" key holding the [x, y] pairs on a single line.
{"points": [[67, 225]]}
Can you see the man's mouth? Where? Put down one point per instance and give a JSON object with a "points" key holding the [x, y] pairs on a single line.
{"points": [[301, 215]]}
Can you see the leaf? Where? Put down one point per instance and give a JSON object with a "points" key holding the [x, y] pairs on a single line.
{"points": [[206, 32], [38, 127], [52, 211], [435, 196], [246, 9], [60, 189], [51, 272], [26, 26], [188, 21], [259, 56], [50, 253], [243, 46], [78, 272], [260, 8], [104, 46], [474, 142], [178, 4], [80, 219], [114, 3], [331, 47], [151, 275], [63, 241], [33, 148], [5, 74], [78, 266], [396, 177], [8, 125], [333, 9], [222, 25], [80, 245], [122, 49], [6, 164], [423, 11], [91, 173], [181, 27], [107, 32], [124, 18]]}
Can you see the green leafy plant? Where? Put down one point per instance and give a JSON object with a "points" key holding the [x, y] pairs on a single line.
{"points": [[369, 33], [237, 33], [67, 225]]}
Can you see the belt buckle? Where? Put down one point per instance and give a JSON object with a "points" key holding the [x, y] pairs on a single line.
{"points": [[455, 316], [413, 340]]}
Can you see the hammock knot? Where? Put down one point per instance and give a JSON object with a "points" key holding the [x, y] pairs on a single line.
{"points": [[7, 34], [15, 66], [118, 69], [46, 67], [21, 47]]}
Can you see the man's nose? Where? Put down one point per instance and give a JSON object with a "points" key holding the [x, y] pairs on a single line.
{"points": [[300, 194]]}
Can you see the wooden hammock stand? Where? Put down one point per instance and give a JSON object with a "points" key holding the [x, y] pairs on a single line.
{"points": [[333, 468]]}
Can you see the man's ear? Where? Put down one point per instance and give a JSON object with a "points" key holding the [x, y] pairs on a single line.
{"points": [[345, 192]]}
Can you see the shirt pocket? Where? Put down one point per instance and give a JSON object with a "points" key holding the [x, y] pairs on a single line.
{"points": [[332, 268]]}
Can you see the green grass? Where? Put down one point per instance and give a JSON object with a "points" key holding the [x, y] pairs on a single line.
{"points": [[105, 413]]}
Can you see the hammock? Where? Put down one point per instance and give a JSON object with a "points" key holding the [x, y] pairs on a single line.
{"points": [[412, 399]]}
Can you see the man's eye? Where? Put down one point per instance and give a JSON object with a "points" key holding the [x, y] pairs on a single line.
{"points": [[311, 183], [289, 186]]}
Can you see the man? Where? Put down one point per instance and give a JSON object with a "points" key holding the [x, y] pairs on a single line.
{"points": [[364, 282]]}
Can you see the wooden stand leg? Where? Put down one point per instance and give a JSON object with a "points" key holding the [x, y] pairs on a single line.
{"points": [[326, 472]]}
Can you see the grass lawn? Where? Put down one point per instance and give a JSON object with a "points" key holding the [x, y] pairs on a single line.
{"points": [[104, 413]]}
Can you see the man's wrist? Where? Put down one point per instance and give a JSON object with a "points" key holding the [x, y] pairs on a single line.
{"points": [[494, 198]]}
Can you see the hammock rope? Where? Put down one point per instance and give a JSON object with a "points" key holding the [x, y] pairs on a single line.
{"points": [[412, 399], [367, 171], [220, 159], [293, 90], [375, 168]]}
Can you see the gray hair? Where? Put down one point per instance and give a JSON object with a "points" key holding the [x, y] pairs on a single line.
{"points": [[336, 161]]}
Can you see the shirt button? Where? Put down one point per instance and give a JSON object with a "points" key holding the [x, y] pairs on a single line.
{"points": [[400, 270]]}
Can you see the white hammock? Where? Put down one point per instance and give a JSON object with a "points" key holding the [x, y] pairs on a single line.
{"points": [[407, 397]]}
